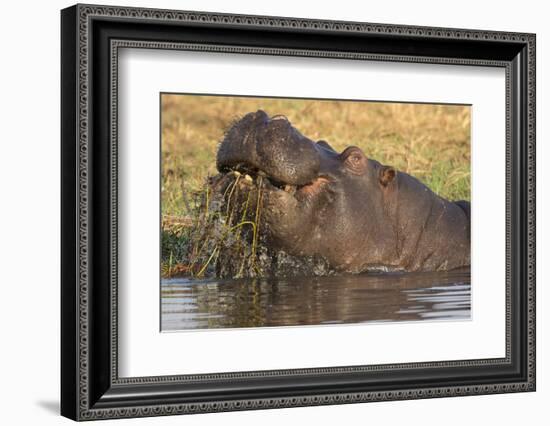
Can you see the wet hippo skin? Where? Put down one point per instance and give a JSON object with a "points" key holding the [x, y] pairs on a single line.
{"points": [[358, 214]]}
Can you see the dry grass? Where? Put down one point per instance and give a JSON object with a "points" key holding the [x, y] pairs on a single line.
{"points": [[431, 142]]}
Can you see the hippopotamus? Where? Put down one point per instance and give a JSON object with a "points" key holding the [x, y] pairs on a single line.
{"points": [[353, 211]]}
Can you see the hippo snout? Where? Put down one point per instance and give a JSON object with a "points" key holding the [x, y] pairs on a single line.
{"points": [[270, 145]]}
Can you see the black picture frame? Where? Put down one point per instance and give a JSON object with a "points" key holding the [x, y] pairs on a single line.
{"points": [[90, 386]]}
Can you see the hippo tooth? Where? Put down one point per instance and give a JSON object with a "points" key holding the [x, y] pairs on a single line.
{"points": [[290, 189], [236, 173], [248, 178]]}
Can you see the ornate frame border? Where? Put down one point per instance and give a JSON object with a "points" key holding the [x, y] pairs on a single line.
{"points": [[85, 14], [118, 44]]}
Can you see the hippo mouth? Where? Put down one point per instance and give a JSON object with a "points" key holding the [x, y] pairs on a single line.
{"points": [[271, 150], [271, 183]]}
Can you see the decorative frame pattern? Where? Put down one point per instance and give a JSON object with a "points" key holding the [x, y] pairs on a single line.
{"points": [[88, 407]]}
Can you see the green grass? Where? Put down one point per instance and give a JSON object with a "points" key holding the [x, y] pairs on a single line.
{"points": [[430, 142]]}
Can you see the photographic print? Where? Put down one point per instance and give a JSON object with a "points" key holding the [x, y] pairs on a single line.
{"points": [[289, 212]]}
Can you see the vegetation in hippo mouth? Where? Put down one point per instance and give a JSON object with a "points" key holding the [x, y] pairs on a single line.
{"points": [[228, 236]]}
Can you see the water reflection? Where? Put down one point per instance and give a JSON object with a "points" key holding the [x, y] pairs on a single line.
{"points": [[188, 304]]}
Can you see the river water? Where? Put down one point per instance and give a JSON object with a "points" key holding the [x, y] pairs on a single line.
{"points": [[210, 304]]}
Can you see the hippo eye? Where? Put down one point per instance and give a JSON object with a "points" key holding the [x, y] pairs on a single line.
{"points": [[354, 160]]}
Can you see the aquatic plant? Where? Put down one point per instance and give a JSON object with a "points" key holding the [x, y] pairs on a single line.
{"points": [[226, 236]]}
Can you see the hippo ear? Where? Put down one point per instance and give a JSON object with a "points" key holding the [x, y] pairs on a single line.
{"points": [[386, 175]]}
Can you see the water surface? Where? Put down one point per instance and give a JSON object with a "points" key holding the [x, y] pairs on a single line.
{"points": [[202, 304]]}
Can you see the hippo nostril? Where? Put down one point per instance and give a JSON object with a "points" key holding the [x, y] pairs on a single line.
{"points": [[261, 115]]}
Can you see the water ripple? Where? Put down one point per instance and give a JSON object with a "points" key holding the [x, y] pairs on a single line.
{"points": [[191, 304]]}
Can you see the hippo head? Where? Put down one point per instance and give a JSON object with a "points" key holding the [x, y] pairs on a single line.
{"points": [[355, 212]]}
